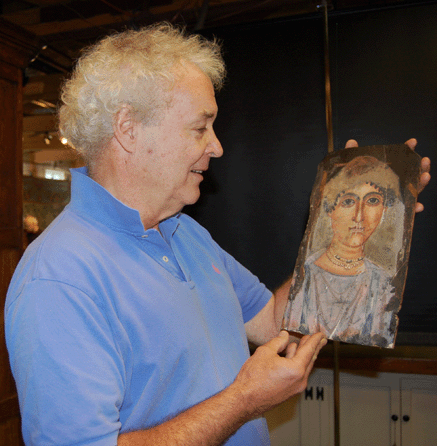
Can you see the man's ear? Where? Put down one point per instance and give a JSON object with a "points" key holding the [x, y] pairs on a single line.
{"points": [[125, 128]]}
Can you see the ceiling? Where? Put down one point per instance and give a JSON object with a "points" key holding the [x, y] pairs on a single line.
{"points": [[62, 28]]}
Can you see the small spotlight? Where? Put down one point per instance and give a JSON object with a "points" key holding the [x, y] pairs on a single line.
{"points": [[47, 138], [64, 140]]}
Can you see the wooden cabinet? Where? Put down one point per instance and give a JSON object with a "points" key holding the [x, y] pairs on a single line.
{"points": [[418, 411], [16, 47], [375, 409]]}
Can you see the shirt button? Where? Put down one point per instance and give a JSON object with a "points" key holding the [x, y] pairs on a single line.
{"points": [[165, 258]]}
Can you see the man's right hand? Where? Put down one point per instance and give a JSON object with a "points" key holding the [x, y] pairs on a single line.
{"points": [[267, 379]]}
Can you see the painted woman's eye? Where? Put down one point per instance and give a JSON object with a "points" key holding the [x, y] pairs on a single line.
{"points": [[347, 202], [374, 201]]}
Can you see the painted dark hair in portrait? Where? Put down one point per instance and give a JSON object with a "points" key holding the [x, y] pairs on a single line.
{"points": [[350, 274]]}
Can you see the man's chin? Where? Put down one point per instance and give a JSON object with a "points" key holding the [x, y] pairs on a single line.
{"points": [[191, 198]]}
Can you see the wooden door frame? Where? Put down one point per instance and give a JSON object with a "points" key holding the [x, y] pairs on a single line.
{"points": [[17, 47]]}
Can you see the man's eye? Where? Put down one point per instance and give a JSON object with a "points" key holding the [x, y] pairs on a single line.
{"points": [[202, 130]]}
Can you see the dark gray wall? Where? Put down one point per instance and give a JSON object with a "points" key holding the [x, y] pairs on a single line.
{"points": [[272, 126]]}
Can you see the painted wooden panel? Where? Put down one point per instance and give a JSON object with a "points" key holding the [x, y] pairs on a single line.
{"points": [[350, 274]]}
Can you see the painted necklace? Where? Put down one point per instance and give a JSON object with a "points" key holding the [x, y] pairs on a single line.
{"points": [[343, 263]]}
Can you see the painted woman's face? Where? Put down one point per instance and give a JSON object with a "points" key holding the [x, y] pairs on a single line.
{"points": [[357, 214]]}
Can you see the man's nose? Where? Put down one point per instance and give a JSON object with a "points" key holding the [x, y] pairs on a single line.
{"points": [[214, 148]]}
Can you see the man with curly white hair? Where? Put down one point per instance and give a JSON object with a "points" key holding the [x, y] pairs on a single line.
{"points": [[126, 323]]}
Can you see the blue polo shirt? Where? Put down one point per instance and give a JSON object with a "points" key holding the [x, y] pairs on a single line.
{"points": [[111, 328]]}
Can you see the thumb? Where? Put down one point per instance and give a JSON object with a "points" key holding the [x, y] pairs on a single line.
{"points": [[351, 143]]}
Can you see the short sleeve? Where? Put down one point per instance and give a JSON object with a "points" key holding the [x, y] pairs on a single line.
{"points": [[252, 294]]}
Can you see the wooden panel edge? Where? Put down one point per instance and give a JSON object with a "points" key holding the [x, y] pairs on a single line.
{"points": [[388, 365], [9, 408]]}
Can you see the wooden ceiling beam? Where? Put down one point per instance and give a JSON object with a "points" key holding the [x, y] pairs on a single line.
{"points": [[25, 17], [43, 87], [47, 156], [40, 123], [218, 9], [50, 28]]}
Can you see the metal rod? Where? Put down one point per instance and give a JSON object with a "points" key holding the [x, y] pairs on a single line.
{"points": [[202, 17], [328, 101], [330, 136], [336, 394]]}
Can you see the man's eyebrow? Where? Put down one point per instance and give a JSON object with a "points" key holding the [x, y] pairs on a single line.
{"points": [[204, 115], [208, 115]]}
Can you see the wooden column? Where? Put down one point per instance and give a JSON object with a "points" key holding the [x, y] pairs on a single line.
{"points": [[16, 48]]}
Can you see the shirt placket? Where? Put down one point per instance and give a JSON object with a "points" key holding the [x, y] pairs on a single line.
{"points": [[157, 248]]}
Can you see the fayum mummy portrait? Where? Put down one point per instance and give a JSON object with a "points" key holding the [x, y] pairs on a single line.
{"points": [[350, 273]]}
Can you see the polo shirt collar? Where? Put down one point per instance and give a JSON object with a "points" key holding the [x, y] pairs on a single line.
{"points": [[91, 199]]}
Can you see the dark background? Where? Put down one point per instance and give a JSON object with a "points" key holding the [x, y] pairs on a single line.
{"points": [[271, 124]]}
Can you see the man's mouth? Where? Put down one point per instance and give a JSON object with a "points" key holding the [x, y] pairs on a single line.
{"points": [[198, 171]]}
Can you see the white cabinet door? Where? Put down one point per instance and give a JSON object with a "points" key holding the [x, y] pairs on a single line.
{"points": [[317, 410], [283, 422], [419, 410], [306, 419], [386, 409], [367, 405]]}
